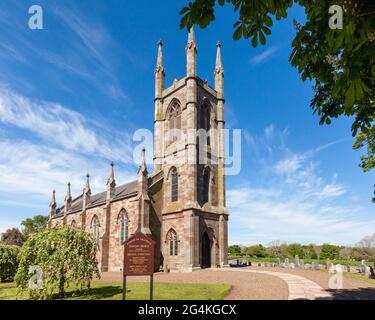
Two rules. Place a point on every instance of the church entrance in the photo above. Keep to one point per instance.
(206, 251)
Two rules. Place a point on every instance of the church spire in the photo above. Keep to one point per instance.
(143, 167)
(68, 198)
(159, 72)
(219, 72)
(191, 54)
(86, 193)
(111, 182)
(52, 205)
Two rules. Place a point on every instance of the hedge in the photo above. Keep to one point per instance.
(8, 262)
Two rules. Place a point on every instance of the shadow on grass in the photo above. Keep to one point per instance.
(353, 294)
(104, 292)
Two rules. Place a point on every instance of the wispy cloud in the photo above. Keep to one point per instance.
(293, 201)
(62, 127)
(53, 145)
(264, 56)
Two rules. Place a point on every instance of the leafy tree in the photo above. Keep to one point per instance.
(234, 250)
(341, 62)
(35, 224)
(277, 249)
(329, 251)
(310, 252)
(256, 251)
(12, 237)
(8, 262)
(296, 249)
(65, 255)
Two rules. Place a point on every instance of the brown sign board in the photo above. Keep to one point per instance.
(139, 255)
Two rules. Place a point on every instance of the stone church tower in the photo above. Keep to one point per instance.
(182, 204)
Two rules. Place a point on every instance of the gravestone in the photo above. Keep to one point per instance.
(315, 265)
(286, 262)
(301, 263)
(363, 266)
(296, 260)
(278, 261)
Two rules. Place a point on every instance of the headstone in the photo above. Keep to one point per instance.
(301, 263)
(296, 260)
(315, 265)
(363, 266)
(286, 262)
(278, 261)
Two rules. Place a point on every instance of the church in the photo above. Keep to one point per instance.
(181, 205)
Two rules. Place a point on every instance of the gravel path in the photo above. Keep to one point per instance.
(353, 289)
(262, 283)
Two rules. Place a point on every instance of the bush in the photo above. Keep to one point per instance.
(256, 251)
(8, 262)
(296, 249)
(234, 250)
(329, 251)
(55, 258)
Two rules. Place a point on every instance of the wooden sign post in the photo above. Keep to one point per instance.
(139, 253)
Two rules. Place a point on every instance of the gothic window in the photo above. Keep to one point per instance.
(174, 121)
(73, 224)
(124, 226)
(95, 229)
(205, 120)
(206, 185)
(174, 185)
(173, 243)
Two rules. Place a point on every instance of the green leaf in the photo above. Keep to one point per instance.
(262, 38)
(254, 40)
(350, 96)
(238, 33)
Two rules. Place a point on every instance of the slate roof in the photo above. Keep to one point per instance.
(123, 191)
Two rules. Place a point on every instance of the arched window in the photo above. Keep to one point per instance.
(206, 185)
(173, 243)
(174, 185)
(205, 120)
(95, 228)
(124, 226)
(73, 224)
(174, 121)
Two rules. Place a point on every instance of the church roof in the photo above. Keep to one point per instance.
(123, 191)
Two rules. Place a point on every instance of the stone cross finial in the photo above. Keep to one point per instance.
(87, 185)
(53, 200)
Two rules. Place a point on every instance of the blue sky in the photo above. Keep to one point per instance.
(72, 95)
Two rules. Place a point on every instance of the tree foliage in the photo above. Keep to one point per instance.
(234, 250)
(256, 251)
(65, 255)
(12, 237)
(329, 251)
(341, 62)
(8, 262)
(35, 224)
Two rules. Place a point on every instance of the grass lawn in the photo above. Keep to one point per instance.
(135, 291)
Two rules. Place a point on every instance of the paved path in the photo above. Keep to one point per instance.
(299, 287)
